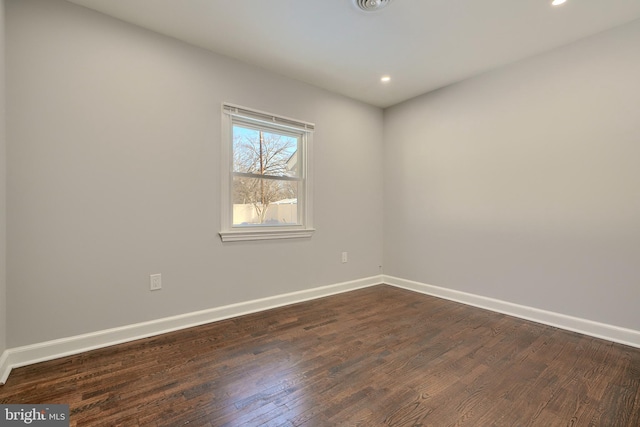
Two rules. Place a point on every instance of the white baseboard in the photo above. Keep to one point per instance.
(617, 334)
(5, 369)
(40, 352)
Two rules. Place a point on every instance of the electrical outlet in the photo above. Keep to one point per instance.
(344, 257)
(155, 282)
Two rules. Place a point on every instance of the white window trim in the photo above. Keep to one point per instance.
(228, 232)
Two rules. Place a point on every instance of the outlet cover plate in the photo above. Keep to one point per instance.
(155, 282)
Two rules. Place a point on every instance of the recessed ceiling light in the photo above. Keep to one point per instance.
(557, 2)
(385, 79)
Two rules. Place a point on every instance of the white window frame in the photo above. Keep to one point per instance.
(231, 114)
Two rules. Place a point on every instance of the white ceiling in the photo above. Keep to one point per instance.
(422, 44)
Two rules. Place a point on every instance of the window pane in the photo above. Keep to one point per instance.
(263, 152)
(259, 201)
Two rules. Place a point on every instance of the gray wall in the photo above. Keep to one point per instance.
(523, 184)
(113, 160)
(3, 186)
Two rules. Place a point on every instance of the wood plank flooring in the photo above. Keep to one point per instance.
(379, 356)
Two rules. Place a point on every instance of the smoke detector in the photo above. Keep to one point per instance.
(371, 5)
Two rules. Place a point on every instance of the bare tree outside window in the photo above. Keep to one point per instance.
(265, 170)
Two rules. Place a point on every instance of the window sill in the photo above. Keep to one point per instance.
(240, 236)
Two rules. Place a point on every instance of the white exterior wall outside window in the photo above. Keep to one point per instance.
(266, 176)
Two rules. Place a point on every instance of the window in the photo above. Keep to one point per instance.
(266, 176)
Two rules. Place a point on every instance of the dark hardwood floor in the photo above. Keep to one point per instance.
(379, 356)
